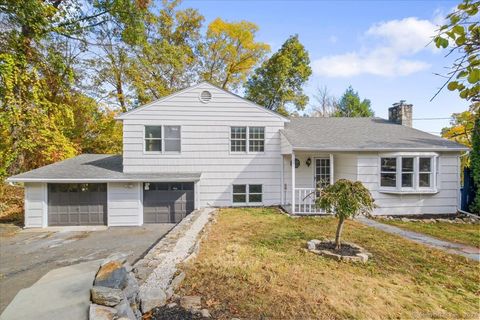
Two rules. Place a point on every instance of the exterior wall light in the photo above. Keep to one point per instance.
(308, 162)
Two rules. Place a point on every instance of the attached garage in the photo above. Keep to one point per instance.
(77, 204)
(167, 202)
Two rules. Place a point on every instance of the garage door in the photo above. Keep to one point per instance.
(167, 202)
(75, 204)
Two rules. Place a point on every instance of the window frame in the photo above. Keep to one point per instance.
(247, 141)
(162, 139)
(247, 194)
(415, 188)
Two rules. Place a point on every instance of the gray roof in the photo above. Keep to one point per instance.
(96, 168)
(361, 134)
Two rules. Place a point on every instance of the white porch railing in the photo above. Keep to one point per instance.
(305, 202)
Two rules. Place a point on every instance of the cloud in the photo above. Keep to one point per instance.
(388, 51)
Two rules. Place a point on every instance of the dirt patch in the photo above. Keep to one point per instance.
(79, 236)
(345, 249)
(171, 313)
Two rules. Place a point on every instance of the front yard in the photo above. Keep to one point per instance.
(468, 234)
(252, 265)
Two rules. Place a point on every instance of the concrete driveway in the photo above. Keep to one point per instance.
(26, 256)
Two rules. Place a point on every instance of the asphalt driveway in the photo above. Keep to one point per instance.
(26, 256)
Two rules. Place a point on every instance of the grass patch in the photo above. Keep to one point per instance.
(252, 265)
(468, 234)
(11, 205)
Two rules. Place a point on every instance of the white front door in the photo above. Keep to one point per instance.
(322, 172)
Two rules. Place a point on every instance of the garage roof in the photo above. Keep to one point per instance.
(97, 168)
(361, 134)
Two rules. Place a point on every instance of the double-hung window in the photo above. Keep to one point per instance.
(247, 139)
(162, 139)
(407, 173)
(238, 139)
(247, 194)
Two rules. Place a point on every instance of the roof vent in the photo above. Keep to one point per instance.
(205, 96)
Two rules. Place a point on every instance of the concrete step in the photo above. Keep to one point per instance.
(62, 293)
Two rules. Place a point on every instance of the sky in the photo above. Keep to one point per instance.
(380, 48)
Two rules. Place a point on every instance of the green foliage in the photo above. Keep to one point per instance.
(230, 52)
(475, 162)
(462, 33)
(279, 81)
(461, 130)
(345, 199)
(350, 105)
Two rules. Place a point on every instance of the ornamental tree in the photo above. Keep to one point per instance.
(345, 199)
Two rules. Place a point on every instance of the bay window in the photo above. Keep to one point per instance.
(408, 173)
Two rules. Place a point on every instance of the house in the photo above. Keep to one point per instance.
(204, 146)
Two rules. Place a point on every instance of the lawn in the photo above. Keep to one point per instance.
(253, 265)
(461, 233)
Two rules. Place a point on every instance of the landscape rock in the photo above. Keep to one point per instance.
(312, 244)
(177, 281)
(98, 312)
(112, 275)
(191, 303)
(151, 298)
(131, 289)
(205, 313)
(106, 296)
(115, 257)
(124, 310)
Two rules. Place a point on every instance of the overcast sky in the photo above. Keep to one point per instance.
(379, 47)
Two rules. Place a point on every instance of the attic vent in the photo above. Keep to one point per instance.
(205, 96)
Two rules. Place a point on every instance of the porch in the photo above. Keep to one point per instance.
(311, 169)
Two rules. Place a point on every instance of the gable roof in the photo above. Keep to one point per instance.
(166, 98)
(96, 168)
(361, 134)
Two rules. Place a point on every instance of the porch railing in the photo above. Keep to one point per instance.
(305, 202)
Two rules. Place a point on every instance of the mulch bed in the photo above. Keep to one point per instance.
(172, 313)
(345, 249)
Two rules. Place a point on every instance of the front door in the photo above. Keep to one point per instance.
(322, 172)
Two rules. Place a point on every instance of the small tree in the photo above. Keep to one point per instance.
(345, 199)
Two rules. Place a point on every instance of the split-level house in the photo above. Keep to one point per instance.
(206, 147)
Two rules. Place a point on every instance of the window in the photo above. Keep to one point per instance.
(425, 172)
(247, 194)
(407, 173)
(171, 141)
(238, 136)
(388, 175)
(239, 193)
(322, 172)
(254, 193)
(153, 138)
(256, 139)
(172, 138)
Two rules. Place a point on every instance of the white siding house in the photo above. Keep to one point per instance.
(204, 146)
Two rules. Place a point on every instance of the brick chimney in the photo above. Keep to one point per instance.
(401, 113)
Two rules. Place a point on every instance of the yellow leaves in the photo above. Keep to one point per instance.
(231, 52)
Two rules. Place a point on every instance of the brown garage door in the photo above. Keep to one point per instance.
(77, 204)
(167, 202)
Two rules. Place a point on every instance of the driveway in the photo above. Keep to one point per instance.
(26, 256)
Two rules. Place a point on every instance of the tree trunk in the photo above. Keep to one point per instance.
(338, 233)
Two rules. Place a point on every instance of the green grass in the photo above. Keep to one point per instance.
(253, 265)
(468, 234)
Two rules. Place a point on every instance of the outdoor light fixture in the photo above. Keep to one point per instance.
(309, 162)
(297, 163)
